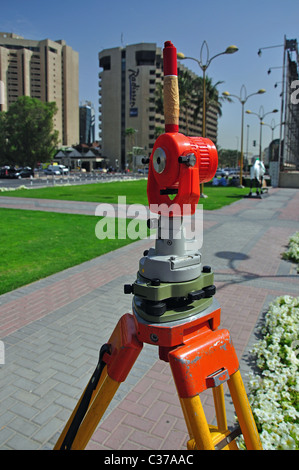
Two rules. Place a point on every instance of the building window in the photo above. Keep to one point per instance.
(145, 57)
(105, 62)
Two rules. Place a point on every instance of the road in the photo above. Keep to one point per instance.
(77, 178)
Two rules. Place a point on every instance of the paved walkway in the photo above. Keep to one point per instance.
(52, 330)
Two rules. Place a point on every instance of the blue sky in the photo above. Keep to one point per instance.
(92, 25)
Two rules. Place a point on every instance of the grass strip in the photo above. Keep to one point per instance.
(35, 244)
(134, 191)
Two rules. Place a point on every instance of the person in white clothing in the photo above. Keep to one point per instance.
(257, 172)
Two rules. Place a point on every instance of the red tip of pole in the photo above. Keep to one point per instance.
(169, 59)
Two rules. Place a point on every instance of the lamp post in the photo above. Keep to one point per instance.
(261, 115)
(243, 98)
(272, 126)
(204, 65)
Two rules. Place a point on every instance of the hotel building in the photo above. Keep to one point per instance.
(128, 83)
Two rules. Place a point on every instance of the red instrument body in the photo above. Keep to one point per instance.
(176, 177)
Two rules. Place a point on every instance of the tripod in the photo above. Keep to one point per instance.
(173, 304)
(201, 355)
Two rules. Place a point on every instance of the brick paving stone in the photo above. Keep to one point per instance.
(53, 329)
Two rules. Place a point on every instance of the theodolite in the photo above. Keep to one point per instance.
(173, 304)
(171, 282)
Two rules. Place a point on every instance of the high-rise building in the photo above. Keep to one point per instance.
(47, 70)
(129, 112)
(87, 123)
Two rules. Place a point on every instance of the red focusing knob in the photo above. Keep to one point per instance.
(178, 164)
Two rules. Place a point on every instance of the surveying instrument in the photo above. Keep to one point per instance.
(173, 302)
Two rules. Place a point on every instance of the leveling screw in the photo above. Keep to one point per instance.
(154, 337)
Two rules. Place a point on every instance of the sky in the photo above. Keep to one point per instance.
(92, 25)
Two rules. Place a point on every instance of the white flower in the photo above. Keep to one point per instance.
(274, 392)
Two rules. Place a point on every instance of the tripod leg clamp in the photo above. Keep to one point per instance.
(207, 360)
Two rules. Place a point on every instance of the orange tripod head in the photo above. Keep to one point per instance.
(178, 164)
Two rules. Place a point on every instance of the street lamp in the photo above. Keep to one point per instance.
(272, 126)
(261, 115)
(259, 53)
(272, 68)
(204, 65)
(243, 98)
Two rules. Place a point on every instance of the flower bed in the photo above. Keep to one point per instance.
(293, 250)
(274, 391)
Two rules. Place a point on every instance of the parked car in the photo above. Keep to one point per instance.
(4, 172)
(56, 170)
(22, 173)
(63, 169)
(143, 171)
(234, 172)
(52, 170)
(12, 172)
(226, 171)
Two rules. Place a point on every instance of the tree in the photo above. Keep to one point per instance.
(3, 139)
(212, 96)
(186, 93)
(30, 131)
(191, 96)
(228, 158)
(159, 98)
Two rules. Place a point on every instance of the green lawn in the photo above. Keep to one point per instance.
(135, 192)
(35, 244)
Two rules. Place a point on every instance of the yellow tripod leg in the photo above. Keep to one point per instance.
(115, 362)
(218, 395)
(105, 385)
(95, 413)
(244, 413)
(197, 423)
(67, 426)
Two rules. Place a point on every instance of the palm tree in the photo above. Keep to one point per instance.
(191, 97)
(159, 104)
(159, 101)
(129, 134)
(213, 100)
(186, 93)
